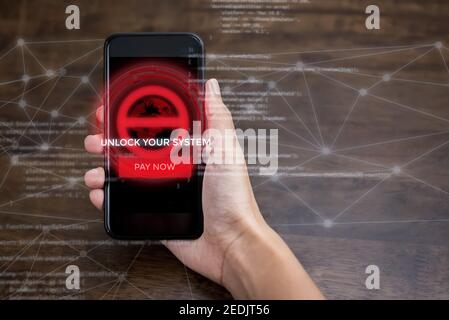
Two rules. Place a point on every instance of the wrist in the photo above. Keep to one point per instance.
(259, 265)
(247, 252)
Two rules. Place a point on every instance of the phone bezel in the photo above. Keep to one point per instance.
(139, 45)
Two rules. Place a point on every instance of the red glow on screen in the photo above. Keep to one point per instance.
(150, 100)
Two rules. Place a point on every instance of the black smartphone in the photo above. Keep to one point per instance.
(154, 86)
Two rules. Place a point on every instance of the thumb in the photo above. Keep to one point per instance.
(219, 121)
(217, 114)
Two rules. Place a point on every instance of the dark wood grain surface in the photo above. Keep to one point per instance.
(395, 220)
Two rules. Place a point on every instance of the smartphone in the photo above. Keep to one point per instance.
(154, 86)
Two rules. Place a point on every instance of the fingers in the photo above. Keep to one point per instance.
(226, 148)
(94, 178)
(218, 115)
(97, 197)
(92, 143)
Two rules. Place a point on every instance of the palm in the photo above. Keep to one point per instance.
(228, 201)
(223, 215)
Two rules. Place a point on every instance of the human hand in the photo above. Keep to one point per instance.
(233, 224)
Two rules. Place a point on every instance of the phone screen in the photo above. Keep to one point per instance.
(153, 99)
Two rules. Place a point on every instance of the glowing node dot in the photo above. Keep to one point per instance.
(15, 160)
(84, 79)
(22, 103)
(20, 42)
(83, 253)
(26, 78)
(274, 178)
(54, 113)
(438, 45)
(363, 92)
(396, 170)
(251, 79)
(122, 277)
(271, 84)
(71, 180)
(45, 147)
(50, 73)
(327, 223)
(300, 66)
(325, 150)
(386, 77)
(81, 120)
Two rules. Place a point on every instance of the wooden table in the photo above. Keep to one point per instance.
(363, 176)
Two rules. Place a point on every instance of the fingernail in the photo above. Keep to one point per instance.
(214, 87)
